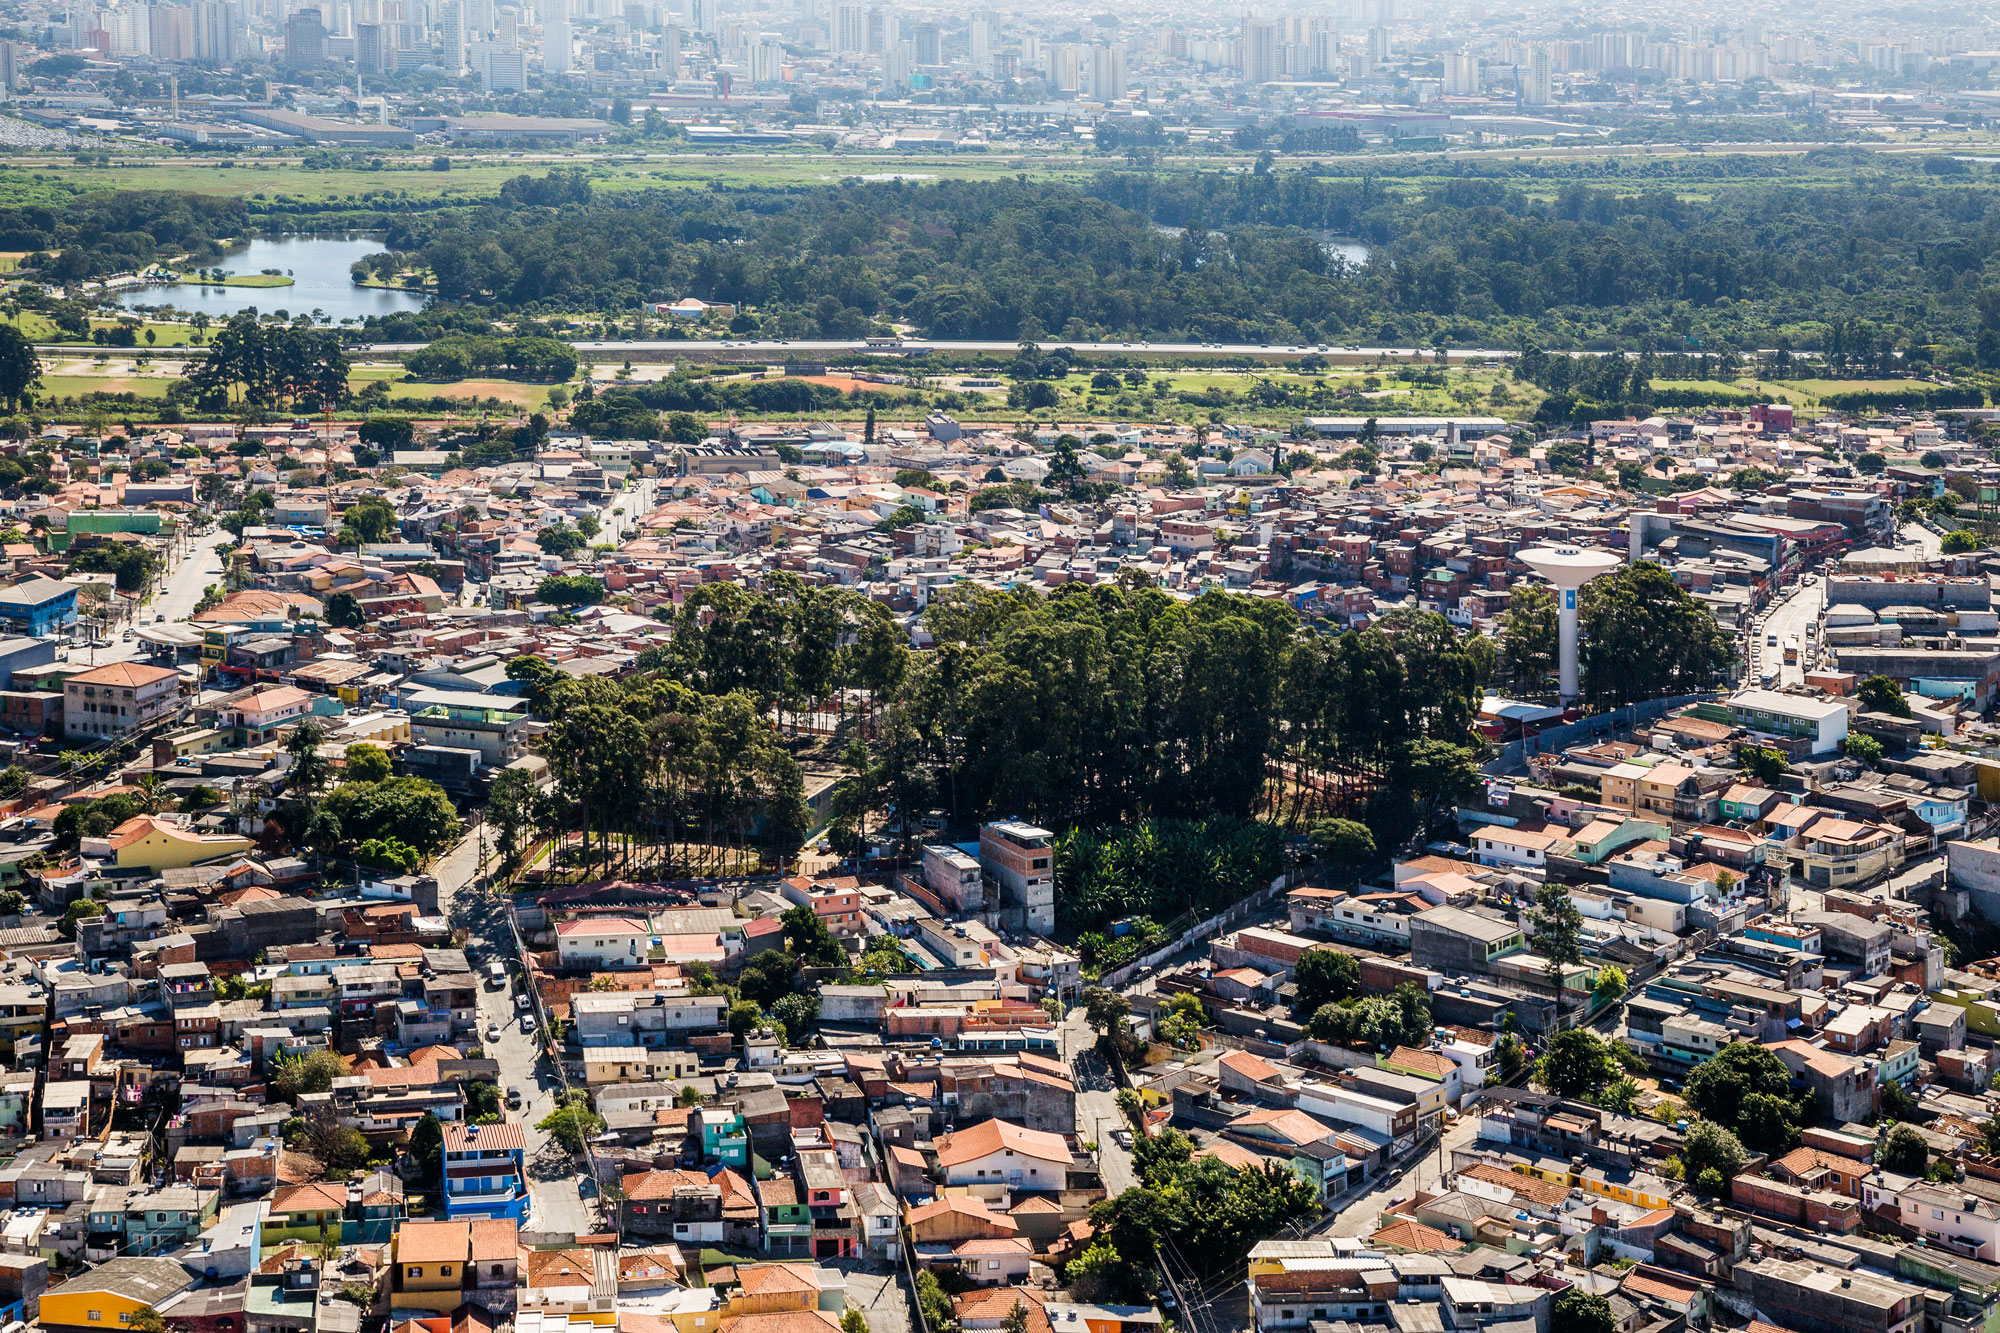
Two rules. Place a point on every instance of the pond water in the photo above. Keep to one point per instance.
(1343, 247)
(318, 266)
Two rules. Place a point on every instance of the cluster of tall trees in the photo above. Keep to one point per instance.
(1642, 637)
(270, 365)
(1170, 743)
(634, 412)
(650, 760)
(110, 231)
(1195, 1212)
(1466, 259)
(461, 355)
(1094, 707)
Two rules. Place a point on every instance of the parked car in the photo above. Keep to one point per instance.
(1122, 1137)
(514, 1097)
(492, 1032)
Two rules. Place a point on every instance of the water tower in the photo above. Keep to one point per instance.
(1569, 568)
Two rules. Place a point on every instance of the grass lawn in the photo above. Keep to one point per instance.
(1822, 388)
(36, 327)
(164, 335)
(72, 386)
(1802, 393)
(255, 280)
(532, 396)
(482, 178)
(1707, 386)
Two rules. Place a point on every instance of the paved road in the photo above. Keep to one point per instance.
(1929, 545)
(1789, 619)
(174, 602)
(620, 515)
(552, 1175)
(1097, 1113)
(1361, 1217)
(781, 348)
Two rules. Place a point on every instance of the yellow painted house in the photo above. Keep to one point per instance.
(429, 1268)
(1641, 1188)
(109, 1295)
(149, 842)
(774, 1289)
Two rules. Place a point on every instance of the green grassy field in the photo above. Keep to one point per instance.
(71, 386)
(34, 326)
(1801, 393)
(256, 280)
(273, 181)
(533, 397)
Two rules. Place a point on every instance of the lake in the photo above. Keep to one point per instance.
(318, 266)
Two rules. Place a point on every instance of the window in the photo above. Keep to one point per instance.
(444, 1270)
(97, 1316)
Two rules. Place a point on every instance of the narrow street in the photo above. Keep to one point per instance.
(619, 518)
(1360, 1217)
(1097, 1113)
(553, 1176)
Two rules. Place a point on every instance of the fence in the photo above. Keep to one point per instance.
(1235, 915)
(1514, 754)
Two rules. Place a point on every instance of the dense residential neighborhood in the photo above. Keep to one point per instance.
(380, 947)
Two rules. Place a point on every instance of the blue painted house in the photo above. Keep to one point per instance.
(485, 1171)
(38, 606)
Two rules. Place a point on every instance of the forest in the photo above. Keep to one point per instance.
(1825, 254)
(1244, 258)
(111, 231)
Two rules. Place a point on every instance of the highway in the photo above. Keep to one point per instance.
(797, 347)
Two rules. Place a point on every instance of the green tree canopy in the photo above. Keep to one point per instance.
(1577, 1064)
(1879, 694)
(1643, 637)
(1747, 1090)
(1323, 976)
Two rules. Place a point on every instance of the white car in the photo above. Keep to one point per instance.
(492, 1032)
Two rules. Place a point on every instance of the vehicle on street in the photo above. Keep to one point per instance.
(492, 1032)
(527, 1022)
(1770, 641)
(496, 974)
(514, 1097)
(1122, 1137)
